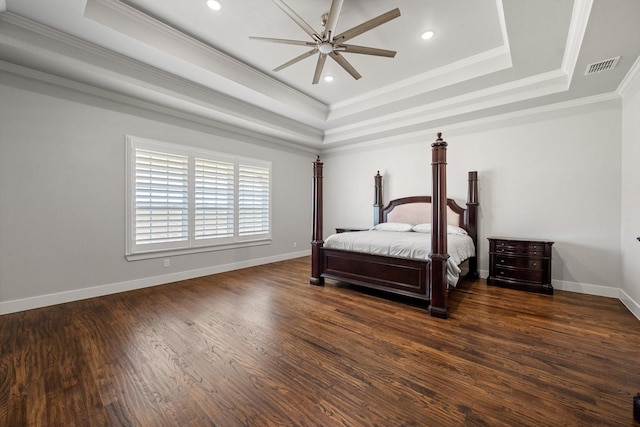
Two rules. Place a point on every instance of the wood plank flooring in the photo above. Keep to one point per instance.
(261, 347)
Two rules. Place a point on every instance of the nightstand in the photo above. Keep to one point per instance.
(520, 264)
(350, 229)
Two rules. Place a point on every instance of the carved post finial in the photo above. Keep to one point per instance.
(439, 142)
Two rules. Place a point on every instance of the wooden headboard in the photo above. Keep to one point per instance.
(417, 210)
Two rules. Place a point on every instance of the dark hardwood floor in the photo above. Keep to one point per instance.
(262, 347)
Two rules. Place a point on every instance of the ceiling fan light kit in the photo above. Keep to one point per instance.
(325, 43)
(214, 5)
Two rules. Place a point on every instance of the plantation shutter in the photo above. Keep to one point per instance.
(253, 200)
(214, 199)
(161, 197)
(186, 200)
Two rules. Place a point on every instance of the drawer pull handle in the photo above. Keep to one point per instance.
(535, 264)
(502, 272)
(502, 261)
(535, 253)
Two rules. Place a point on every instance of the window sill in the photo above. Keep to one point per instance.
(175, 252)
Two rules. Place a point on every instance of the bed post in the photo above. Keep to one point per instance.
(471, 220)
(377, 199)
(439, 255)
(316, 238)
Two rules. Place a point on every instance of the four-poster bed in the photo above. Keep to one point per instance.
(399, 269)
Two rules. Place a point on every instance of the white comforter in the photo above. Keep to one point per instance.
(404, 244)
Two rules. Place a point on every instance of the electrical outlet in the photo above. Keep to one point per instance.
(295, 244)
(167, 262)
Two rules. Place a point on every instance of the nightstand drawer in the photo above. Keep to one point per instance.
(519, 274)
(519, 248)
(519, 262)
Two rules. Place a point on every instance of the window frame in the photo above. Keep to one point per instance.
(191, 244)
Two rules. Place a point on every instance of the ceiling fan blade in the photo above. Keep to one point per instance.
(296, 59)
(332, 20)
(298, 20)
(319, 66)
(366, 26)
(284, 41)
(345, 64)
(350, 48)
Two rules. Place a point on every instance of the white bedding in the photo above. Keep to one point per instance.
(405, 244)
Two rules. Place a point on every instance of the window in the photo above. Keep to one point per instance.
(181, 198)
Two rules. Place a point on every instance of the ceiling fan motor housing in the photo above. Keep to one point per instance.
(325, 47)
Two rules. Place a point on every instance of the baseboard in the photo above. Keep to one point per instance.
(582, 288)
(585, 288)
(30, 303)
(628, 302)
(597, 290)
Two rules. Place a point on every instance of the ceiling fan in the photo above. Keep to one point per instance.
(325, 43)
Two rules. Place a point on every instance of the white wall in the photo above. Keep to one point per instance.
(629, 245)
(62, 196)
(553, 175)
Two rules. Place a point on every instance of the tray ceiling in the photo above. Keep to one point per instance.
(488, 57)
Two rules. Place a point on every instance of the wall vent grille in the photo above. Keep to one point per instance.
(598, 67)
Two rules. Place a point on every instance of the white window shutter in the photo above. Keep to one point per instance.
(214, 199)
(161, 198)
(253, 200)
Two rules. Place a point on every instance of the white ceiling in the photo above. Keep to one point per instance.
(488, 57)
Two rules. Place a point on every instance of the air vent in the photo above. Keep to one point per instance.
(598, 67)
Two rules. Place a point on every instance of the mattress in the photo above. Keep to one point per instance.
(405, 244)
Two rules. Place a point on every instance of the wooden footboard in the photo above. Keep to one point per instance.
(424, 280)
(401, 276)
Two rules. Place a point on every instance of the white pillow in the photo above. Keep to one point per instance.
(422, 228)
(392, 226)
(452, 229)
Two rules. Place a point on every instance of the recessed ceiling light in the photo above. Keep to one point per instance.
(328, 78)
(428, 35)
(214, 4)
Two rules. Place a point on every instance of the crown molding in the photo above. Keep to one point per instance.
(44, 49)
(628, 79)
(519, 90)
(469, 68)
(235, 77)
(478, 65)
(472, 125)
(75, 90)
(577, 29)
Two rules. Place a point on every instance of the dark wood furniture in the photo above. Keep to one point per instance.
(424, 280)
(350, 229)
(520, 264)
